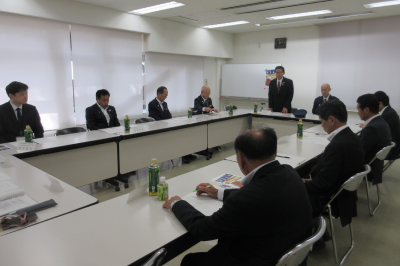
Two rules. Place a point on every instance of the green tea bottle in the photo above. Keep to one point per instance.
(154, 176)
(300, 129)
(231, 110)
(28, 134)
(190, 113)
(162, 189)
(255, 107)
(127, 124)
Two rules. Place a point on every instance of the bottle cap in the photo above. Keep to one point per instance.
(154, 160)
(255, 103)
(231, 103)
(127, 116)
(28, 127)
(190, 108)
(162, 179)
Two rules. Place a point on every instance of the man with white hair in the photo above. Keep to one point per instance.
(203, 103)
(326, 96)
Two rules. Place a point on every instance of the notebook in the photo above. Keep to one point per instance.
(13, 198)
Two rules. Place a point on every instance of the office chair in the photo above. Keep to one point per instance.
(351, 184)
(380, 155)
(298, 253)
(157, 258)
(144, 120)
(70, 130)
(195, 112)
(226, 107)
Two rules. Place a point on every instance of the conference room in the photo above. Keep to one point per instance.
(65, 51)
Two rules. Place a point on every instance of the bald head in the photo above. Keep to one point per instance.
(257, 144)
(205, 92)
(325, 90)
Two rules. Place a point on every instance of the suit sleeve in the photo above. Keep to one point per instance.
(91, 119)
(211, 104)
(153, 112)
(116, 123)
(290, 95)
(368, 139)
(2, 127)
(169, 113)
(314, 109)
(270, 97)
(37, 127)
(197, 105)
(328, 173)
(229, 218)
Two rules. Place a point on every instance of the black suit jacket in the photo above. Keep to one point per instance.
(392, 119)
(199, 103)
(95, 118)
(320, 100)
(10, 128)
(157, 113)
(276, 100)
(342, 158)
(374, 137)
(258, 223)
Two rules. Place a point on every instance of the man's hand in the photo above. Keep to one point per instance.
(269, 109)
(207, 109)
(207, 188)
(237, 183)
(306, 180)
(216, 110)
(362, 125)
(284, 110)
(168, 202)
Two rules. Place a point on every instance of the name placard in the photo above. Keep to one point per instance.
(26, 146)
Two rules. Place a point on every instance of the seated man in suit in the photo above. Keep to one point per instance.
(392, 119)
(101, 115)
(326, 96)
(158, 108)
(342, 158)
(375, 134)
(280, 92)
(16, 114)
(257, 223)
(203, 103)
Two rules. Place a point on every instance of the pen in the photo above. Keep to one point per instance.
(283, 157)
(198, 190)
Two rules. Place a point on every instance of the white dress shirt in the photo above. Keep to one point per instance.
(244, 181)
(15, 109)
(105, 113)
(279, 81)
(335, 132)
(204, 100)
(160, 103)
(369, 120)
(327, 98)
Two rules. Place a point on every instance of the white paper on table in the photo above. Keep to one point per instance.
(26, 146)
(191, 120)
(114, 130)
(293, 161)
(45, 140)
(137, 129)
(54, 183)
(277, 114)
(316, 140)
(227, 179)
(203, 204)
(6, 186)
(4, 176)
(16, 203)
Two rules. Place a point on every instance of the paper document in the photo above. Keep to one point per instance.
(4, 176)
(6, 186)
(4, 148)
(114, 130)
(227, 179)
(15, 204)
(293, 161)
(203, 204)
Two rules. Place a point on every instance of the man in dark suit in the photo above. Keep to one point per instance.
(392, 119)
(342, 158)
(257, 223)
(326, 96)
(158, 108)
(280, 92)
(16, 114)
(203, 103)
(375, 134)
(101, 115)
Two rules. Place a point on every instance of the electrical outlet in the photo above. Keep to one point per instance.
(206, 82)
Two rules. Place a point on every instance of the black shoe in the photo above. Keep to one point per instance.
(186, 159)
(192, 157)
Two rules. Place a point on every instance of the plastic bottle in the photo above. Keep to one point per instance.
(300, 129)
(28, 134)
(231, 110)
(190, 113)
(162, 189)
(255, 107)
(127, 124)
(154, 177)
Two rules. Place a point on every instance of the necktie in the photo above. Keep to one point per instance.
(19, 116)
(279, 85)
(324, 100)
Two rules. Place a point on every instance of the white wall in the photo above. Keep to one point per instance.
(164, 36)
(300, 60)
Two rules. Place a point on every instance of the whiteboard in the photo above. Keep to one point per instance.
(246, 80)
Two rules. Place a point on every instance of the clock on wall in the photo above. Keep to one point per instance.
(280, 43)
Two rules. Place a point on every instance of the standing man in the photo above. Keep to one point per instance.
(375, 134)
(203, 103)
(280, 93)
(16, 114)
(101, 115)
(158, 108)
(257, 223)
(326, 96)
(392, 119)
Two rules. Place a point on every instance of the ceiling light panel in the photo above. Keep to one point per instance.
(156, 8)
(226, 24)
(298, 15)
(381, 4)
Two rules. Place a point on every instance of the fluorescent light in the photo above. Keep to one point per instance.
(156, 8)
(379, 4)
(306, 14)
(226, 24)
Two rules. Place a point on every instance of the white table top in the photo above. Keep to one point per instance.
(110, 233)
(37, 185)
(282, 158)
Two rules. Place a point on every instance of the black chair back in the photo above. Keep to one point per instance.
(226, 107)
(70, 130)
(144, 120)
